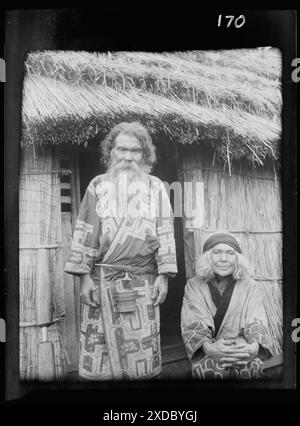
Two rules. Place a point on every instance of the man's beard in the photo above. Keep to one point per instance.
(124, 177)
(132, 171)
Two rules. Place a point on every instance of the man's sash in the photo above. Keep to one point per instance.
(132, 246)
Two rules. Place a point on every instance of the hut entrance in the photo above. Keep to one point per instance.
(166, 169)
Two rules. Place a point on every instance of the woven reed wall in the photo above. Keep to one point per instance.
(248, 204)
(39, 227)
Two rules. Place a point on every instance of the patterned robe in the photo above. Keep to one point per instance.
(116, 345)
(244, 320)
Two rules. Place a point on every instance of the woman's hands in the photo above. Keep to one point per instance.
(88, 291)
(231, 354)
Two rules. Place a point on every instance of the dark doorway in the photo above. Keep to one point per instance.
(166, 170)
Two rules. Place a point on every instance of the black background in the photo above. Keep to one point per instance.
(150, 28)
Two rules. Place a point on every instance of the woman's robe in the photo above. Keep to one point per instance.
(245, 320)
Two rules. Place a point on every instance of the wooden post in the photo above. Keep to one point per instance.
(46, 365)
(75, 204)
(70, 323)
(72, 299)
(75, 186)
(193, 185)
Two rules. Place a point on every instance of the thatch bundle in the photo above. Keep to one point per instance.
(41, 281)
(190, 96)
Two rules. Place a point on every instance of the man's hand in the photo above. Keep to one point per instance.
(88, 291)
(230, 354)
(160, 290)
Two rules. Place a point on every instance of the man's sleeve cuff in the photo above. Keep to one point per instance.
(79, 270)
(167, 269)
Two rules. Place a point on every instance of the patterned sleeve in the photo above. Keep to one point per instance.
(85, 243)
(166, 255)
(255, 322)
(196, 320)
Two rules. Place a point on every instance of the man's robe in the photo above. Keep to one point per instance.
(244, 321)
(139, 236)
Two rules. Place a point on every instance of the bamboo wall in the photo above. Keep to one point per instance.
(40, 237)
(248, 204)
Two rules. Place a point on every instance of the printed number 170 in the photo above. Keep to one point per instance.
(238, 22)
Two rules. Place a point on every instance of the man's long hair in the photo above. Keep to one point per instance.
(204, 270)
(131, 129)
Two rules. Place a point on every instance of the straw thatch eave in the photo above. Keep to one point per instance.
(208, 82)
(71, 96)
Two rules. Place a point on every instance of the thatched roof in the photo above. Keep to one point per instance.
(231, 99)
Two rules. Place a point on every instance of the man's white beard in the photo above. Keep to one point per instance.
(132, 171)
(125, 180)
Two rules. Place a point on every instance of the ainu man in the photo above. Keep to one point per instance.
(123, 250)
(223, 320)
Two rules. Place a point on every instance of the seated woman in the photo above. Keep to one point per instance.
(223, 320)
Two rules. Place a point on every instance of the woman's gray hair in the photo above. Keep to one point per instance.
(132, 129)
(204, 267)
